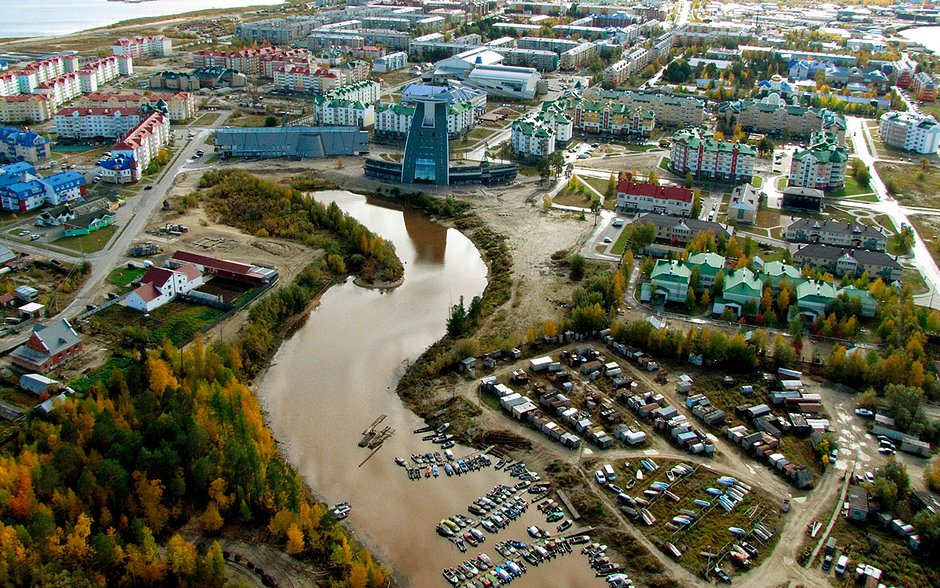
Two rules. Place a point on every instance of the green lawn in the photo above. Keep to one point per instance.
(598, 184)
(480, 133)
(911, 184)
(88, 243)
(247, 120)
(570, 197)
(122, 276)
(782, 183)
(851, 188)
(207, 119)
(621, 243)
(757, 181)
(912, 277)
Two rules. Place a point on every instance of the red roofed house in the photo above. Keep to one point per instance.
(232, 270)
(161, 285)
(49, 345)
(645, 197)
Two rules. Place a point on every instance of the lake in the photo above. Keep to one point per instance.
(34, 18)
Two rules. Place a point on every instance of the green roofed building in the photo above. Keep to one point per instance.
(812, 296)
(696, 151)
(708, 265)
(821, 165)
(740, 287)
(670, 278)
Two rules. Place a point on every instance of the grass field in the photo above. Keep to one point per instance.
(851, 188)
(89, 243)
(247, 120)
(207, 119)
(177, 321)
(757, 181)
(912, 184)
(122, 276)
(571, 197)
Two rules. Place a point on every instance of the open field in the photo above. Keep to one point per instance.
(247, 120)
(94, 241)
(928, 227)
(177, 321)
(911, 184)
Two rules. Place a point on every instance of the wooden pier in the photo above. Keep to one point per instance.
(370, 433)
(564, 500)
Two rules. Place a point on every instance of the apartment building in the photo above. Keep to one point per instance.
(131, 155)
(838, 234)
(548, 44)
(390, 62)
(773, 116)
(924, 87)
(261, 62)
(821, 165)
(843, 261)
(695, 151)
(617, 73)
(911, 132)
(611, 118)
(352, 105)
(92, 123)
(21, 189)
(670, 110)
(635, 197)
(317, 80)
(179, 105)
(23, 145)
(681, 230)
(143, 47)
(577, 57)
(541, 60)
(540, 134)
(393, 121)
(277, 31)
(26, 108)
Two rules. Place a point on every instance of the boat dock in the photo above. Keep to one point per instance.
(564, 500)
(370, 433)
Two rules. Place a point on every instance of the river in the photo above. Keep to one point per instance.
(339, 371)
(929, 37)
(36, 18)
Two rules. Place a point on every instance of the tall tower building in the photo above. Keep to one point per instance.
(427, 150)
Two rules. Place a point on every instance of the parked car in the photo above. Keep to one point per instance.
(864, 412)
(608, 240)
(33, 237)
(618, 222)
(870, 477)
(148, 187)
(600, 477)
(827, 563)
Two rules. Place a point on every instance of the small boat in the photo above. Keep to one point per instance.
(434, 471)
(564, 526)
(703, 503)
(714, 491)
(630, 485)
(416, 458)
(427, 472)
(448, 453)
(448, 469)
(448, 444)
(737, 530)
(671, 476)
(400, 461)
(451, 577)
(423, 430)
(442, 439)
(442, 428)
(341, 510)
(429, 437)
(639, 475)
(534, 532)
(443, 530)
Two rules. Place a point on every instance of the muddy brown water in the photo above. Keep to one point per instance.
(338, 372)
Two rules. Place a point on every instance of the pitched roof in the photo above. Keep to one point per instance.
(654, 191)
(54, 337)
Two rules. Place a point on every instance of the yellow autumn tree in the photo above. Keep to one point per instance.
(181, 556)
(358, 576)
(161, 377)
(550, 329)
(295, 539)
(212, 521)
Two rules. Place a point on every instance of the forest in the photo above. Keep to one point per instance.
(97, 493)
(267, 209)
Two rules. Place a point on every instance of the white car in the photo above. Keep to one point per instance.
(870, 477)
(600, 477)
(864, 412)
(608, 240)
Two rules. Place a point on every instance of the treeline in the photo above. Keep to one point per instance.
(96, 494)
(267, 209)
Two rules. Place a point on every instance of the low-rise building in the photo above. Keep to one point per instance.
(911, 132)
(540, 134)
(709, 265)
(88, 223)
(837, 233)
(297, 141)
(849, 262)
(646, 197)
(813, 296)
(745, 201)
(160, 285)
(802, 199)
(821, 165)
(742, 288)
(681, 230)
(611, 118)
(695, 151)
(670, 279)
(49, 346)
(23, 145)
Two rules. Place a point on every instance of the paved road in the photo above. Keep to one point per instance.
(131, 220)
(857, 130)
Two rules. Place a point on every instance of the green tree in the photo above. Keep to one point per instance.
(577, 265)
(457, 320)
